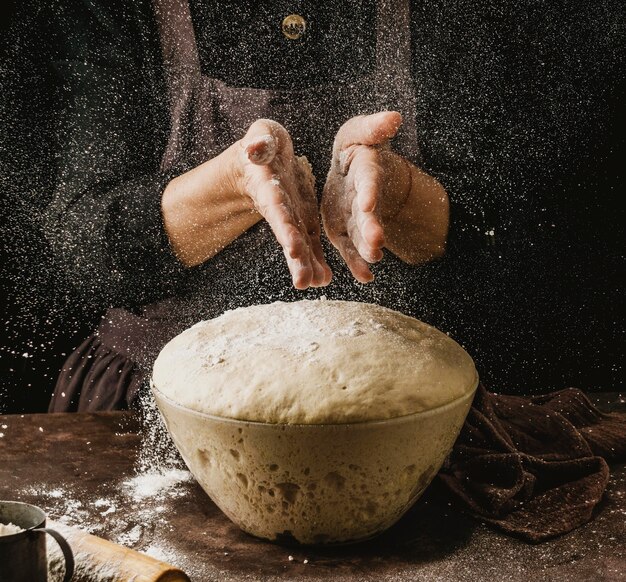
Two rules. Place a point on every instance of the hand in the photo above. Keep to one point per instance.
(257, 177)
(282, 187)
(373, 198)
(350, 209)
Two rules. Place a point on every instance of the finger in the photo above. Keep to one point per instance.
(321, 271)
(270, 202)
(370, 253)
(366, 230)
(369, 227)
(264, 139)
(336, 230)
(358, 266)
(296, 247)
(368, 129)
(316, 254)
(342, 218)
(261, 150)
(288, 233)
(301, 271)
(371, 232)
(366, 174)
(322, 275)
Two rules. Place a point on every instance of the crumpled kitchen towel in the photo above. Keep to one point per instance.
(534, 467)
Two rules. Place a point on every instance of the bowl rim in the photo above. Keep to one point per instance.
(382, 421)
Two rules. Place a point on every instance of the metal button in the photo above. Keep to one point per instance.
(293, 26)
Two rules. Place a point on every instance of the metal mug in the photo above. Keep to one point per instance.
(23, 555)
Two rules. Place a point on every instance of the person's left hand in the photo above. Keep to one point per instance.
(374, 198)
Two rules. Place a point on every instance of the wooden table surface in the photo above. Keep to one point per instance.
(89, 470)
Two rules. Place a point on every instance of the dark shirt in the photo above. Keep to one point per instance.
(518, 117)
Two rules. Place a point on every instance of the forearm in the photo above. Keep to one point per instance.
(417, 233)
(205, 200)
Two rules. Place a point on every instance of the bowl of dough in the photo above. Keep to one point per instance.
(316, 422)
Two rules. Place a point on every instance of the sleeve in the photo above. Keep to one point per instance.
(104, 221)
(101, 103)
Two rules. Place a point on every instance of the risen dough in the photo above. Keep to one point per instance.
(313, 362)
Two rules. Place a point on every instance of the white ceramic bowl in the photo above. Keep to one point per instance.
(314, 483)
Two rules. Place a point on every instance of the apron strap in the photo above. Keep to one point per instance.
(182, 73)
(394, 76)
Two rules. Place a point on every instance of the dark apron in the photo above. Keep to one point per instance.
(109, 368)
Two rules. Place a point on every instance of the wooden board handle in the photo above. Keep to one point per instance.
(94, 554)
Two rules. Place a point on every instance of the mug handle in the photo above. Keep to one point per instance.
(65, 548)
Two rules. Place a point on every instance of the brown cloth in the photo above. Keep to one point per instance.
(534, 467)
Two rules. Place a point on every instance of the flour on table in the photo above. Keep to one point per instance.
(156, 485)
(106, 505)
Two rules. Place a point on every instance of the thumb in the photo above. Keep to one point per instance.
(263, 140)
(368, 130)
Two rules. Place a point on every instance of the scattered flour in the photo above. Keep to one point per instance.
(148, 493)
(106, 504)
(156, 485)
(160, 477)
(159, 553)
(130, 538)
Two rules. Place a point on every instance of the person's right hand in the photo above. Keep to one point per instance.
(259, 176)
(282, 187)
